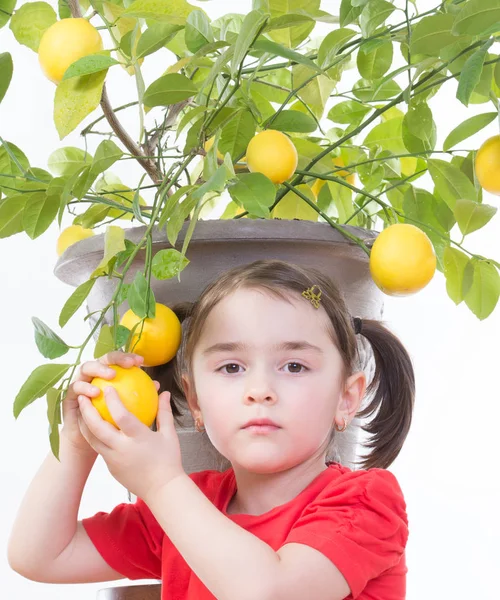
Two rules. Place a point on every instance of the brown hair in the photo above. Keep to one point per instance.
(392, 386)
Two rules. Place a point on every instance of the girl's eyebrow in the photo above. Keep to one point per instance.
(239, 346)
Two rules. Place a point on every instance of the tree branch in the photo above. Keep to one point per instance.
(148, 165)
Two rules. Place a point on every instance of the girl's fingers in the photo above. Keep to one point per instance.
(103, 431)
(157, 385)
(86, 389)
(91, 439)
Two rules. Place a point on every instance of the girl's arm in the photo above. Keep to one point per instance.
(47, 543)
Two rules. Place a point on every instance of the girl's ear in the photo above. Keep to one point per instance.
(353, 394)
(191, 397)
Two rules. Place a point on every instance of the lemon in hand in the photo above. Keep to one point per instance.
(402, 260)
(160, 337)
(136, 390)
(63, 43)
(487, 165)
(273, 154)
(71, 235)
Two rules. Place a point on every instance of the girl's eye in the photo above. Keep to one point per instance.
(301, 366)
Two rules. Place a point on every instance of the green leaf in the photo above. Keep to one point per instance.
(54, 399)
(467, 128)
(237, 134)
(348, 112)
(171, 203)
(348, 12)
(11, 215)
(39, 212)
(292, 206)
(471, 73)
(30, 22)
(476, 17)
(174, 12)
(198, 31)
(155, 37)
(75, 99)
(252, 24)
(168, 263)
(169, 89)
(74, 302)
(455, 263)
(64, 162)
(315, 93)
(450, 182)
(6, 69)
(373, 65)
(7, 8)
(137, 297)
(374, 14)
(296, 34)
(254, 192)
(13, 161)
(471, 216)
(92, 63)
(280, 50)
(294, 121)
(37, 385)
(388, 135)
(104, 343)
(331, 44)
(106, 154)
(432, 34)
(484, 292)
(286, 21)
(419, 129)
(49, 343)
(113, 244)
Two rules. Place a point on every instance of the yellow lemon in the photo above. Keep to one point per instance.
(402, 260)
(71, 235)
(137, 392)
(160, 337)
(63, 43)
(338, 162)
(487, 165)
(208, 144)
(273, 154)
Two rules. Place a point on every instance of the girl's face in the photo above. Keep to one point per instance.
(299, 388)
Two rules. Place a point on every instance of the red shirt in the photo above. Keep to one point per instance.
(355, 518)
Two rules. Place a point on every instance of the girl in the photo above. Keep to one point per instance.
(268, 342)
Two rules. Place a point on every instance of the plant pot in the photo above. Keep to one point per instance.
(218, 245)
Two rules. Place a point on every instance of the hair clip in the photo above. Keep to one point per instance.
(310, 295)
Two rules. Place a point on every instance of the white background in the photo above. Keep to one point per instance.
(448, 468)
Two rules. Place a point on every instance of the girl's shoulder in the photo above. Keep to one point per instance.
(369, 487)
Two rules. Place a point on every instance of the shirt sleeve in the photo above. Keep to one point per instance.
(360, 524)
(129, 539)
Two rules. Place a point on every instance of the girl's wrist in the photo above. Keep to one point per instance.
(67, 447)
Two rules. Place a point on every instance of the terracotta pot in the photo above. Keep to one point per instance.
(218, 245)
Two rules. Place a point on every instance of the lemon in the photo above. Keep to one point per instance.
(402, 260)
(63, 43)
(71, 235)
(338, 162)
(160, 337)
(208, 144)
(273, 154)
(487, 165)
(136, 390)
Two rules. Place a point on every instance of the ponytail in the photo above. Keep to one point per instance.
(394, 387)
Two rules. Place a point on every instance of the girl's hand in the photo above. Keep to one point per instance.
(142, 460)
(81, 386)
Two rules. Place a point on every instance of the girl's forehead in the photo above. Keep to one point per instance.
(246, 311)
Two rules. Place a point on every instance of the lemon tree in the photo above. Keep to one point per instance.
(284, 111)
